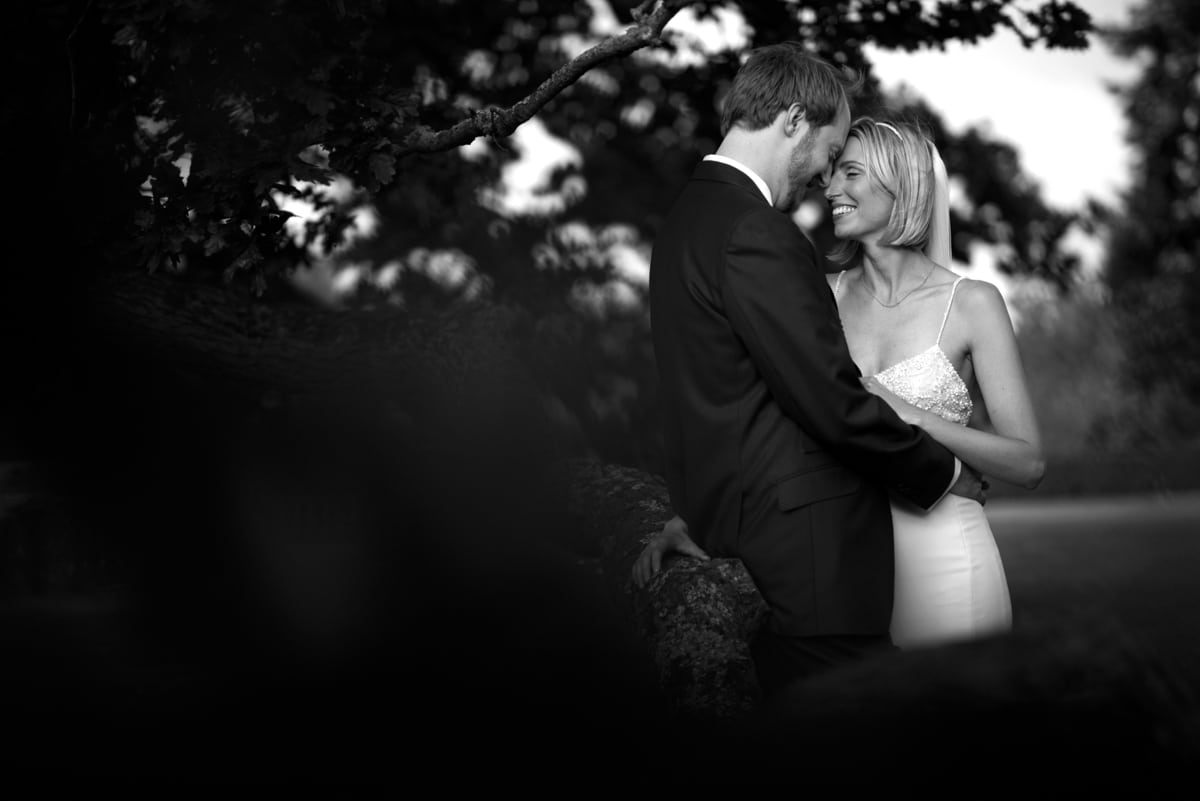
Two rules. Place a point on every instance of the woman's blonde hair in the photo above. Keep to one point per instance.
(897, 161)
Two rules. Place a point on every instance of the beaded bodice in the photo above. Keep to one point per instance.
(928, 380)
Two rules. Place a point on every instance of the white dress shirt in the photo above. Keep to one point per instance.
(751, 174)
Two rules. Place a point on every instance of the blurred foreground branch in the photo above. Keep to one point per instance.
(295, 576)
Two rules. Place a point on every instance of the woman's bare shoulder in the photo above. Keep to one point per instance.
(983, 304)
(978, 295)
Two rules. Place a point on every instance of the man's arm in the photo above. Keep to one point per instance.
(780, 305)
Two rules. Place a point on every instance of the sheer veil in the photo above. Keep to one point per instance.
(938, 246)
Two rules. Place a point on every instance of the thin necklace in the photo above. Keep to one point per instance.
(904, 297)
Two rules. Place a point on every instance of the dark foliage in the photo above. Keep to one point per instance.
(1153, 266)
(173, 134)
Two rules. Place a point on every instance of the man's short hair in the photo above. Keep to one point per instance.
(776, 76)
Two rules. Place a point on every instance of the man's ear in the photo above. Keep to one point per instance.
(794, 120)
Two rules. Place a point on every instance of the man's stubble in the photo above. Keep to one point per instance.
(800, 173)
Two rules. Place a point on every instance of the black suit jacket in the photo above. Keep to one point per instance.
(775, 453)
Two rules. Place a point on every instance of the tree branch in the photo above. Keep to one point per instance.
(495, 122)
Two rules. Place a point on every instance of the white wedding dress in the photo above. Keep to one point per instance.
(950, 581)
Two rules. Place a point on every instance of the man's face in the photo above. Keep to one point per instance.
(813, 159)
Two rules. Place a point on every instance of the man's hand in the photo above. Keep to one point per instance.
(906, 411)
(970, 484)
(673, 537)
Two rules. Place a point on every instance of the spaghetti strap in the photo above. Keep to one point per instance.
(950, 302)
(838, 283)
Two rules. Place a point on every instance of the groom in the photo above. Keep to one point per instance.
(775, 453)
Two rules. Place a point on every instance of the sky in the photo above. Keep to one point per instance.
(1052, 105)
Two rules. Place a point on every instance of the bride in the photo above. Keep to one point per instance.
(940, 349)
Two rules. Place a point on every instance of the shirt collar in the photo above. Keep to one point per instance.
(751, 174)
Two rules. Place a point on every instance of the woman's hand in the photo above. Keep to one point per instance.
(673, 538)
(910, 414)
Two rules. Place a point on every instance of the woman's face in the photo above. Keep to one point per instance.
(861, 209)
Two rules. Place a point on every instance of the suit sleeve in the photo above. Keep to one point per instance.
(781, 307)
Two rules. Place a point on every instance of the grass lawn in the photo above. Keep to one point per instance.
(1128, 560)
